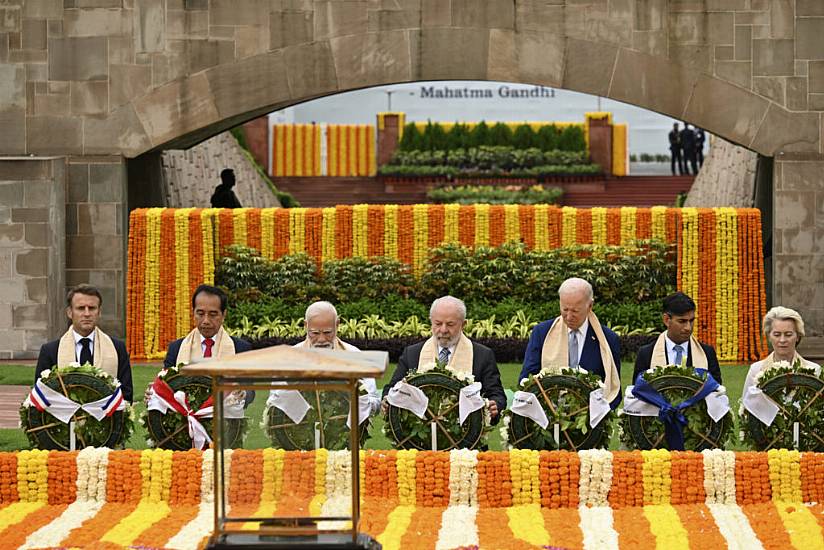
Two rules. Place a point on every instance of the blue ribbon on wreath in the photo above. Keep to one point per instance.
(672, 416)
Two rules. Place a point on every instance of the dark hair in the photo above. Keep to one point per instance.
(678, 304)
(86, 290)
(214, 291)
(227, 173)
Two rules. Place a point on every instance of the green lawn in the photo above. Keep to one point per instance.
(13, 439)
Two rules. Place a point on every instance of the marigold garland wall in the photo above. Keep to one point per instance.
(720, 258)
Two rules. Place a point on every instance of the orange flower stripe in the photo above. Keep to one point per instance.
(408, 232)
(432, 478)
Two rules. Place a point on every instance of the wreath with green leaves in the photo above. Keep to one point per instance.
(564, 396)
(676, 384)
(171, 430)
(799, 394)
(82, 384)
(329, 413)
(442, 387)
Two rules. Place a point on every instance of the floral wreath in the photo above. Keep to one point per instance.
(79, 394)
(564, 395)
(329, 413)
(799, 394)
(170, 430)
(676, 384)
(442, 386)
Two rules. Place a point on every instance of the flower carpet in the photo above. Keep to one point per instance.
(97, 498)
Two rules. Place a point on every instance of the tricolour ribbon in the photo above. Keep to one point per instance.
(62, 408)
(672, 416)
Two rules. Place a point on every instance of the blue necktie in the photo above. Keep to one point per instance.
(443, 356)
(679, 354)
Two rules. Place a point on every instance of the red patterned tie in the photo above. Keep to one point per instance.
(209, 343)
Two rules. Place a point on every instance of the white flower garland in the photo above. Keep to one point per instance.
(596, 526)
(53, 533)
(734, 527)
(719, 476)
(207, 482)
(458, 528)
(504, 431)
(463, 478)
(339, 475)
(92, 473)
(595, 479)
(192, 534)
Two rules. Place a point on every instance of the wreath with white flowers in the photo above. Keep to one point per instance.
(799, 394)
(676, 384)
(564, 395)
(170, 430)
(327, 419)
(82, 384)
(442, 386)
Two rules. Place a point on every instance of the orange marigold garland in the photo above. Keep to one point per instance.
(226, 229)
(555, 220)
(614, 226)
(526, 218)
(62, 482)
(687, 475)
(168, 326)
(437, 220)
(124, 481)
(494, 480)
(281, 232)
(627, 480)
(343, 231)
(752, 478)
(406, 234)
(8, 478)
(135, 325)
(314, 233)
(432, 478)
(497, 221)
(583, 230)
(559, 476)
(253, 232)
(812, 477)
(643, 224)
(375, 223)
(466, 225)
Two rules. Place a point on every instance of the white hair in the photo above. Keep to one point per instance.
(576, 284)
(449, 300)
(317, 308)
(781, 313)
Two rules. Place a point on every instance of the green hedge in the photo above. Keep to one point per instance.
(435, 136)
(473, 194)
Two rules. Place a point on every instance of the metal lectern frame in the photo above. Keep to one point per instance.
(252, 371)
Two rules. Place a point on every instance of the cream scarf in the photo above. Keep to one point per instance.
(556, 352)
(339, 345)
(104, 355)
(190, 347)
(459, 361)
(769, 361)
(659, 353)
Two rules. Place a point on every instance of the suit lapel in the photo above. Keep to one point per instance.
(591, 353)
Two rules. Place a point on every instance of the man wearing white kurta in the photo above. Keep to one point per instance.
(321, 323)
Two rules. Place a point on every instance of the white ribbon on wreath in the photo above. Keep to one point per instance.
(62, 408)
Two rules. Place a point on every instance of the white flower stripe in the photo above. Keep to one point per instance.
(734, 527)
(597, 528)
(52, 534)
(458, 528)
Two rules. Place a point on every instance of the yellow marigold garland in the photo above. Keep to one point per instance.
(321, 455)
(569, 230)
(656, 473)
(628, 224)
(659, 223)
(297, 230)
(667, 527)
(450, 231)
(33, 476)
(689, 252)
(420, 217)
(726, 289)
(390, 231)
(599, 226)
(512, 223)
(482, 225)
(267, 233)
(209, 220)
(541, 227)
(360, 235)
(329, 234)
(526, 483)
(785, 475)
(182, 316)
(240, 232)
(405, 465)
(152, 303)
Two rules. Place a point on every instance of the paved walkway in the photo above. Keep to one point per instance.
(10, 399)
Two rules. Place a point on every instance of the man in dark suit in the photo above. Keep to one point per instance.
(448, 345)
(208, 338)
(85, 343)
(577, 339)
(677, 345)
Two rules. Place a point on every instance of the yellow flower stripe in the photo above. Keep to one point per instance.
(16, 512)
(599, 225)
(208, 221)
(450, 228)
(619, 150)
(156, 474)
(628, 224)
(327, 250)
(152, 302)
(659, 223)
(656, 474)
(360, 233)
(689, 252)
(32, 476)
(267, 233)
(481, 224)
(420, 243)
(569, 231)
(370, 150)
(726, 283)
(182, 318)
(405, 465)
(297, 230)
(271, 487)
(523, 469)
(399, 520)
(527, 523)
(785, 475)
(390, 231)
(541, 227)
(665, 524)
(129, 528)
(240, 233)
(802, 526)
(512, 223)
(321, 456)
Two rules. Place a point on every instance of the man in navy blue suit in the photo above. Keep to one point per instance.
(576, 338)
(208, 338)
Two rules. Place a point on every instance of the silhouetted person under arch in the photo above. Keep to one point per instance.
(223, 196)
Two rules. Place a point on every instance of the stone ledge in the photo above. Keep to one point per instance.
(812, 348)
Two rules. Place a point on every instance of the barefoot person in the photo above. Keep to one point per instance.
(84, 342)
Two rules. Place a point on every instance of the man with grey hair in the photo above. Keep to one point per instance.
(576, 339)
(449, 346)
(321, 324)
